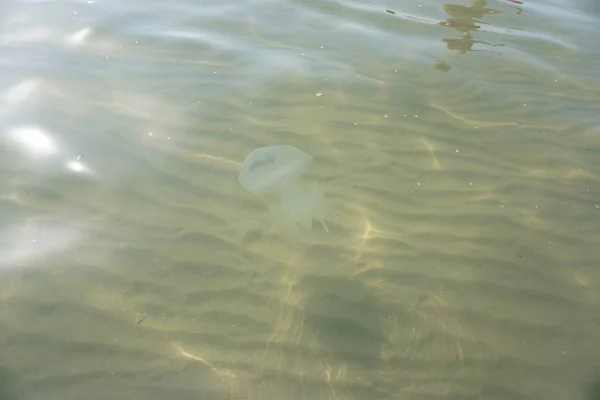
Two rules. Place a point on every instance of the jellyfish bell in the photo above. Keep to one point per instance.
(267, 169)
(276, 173)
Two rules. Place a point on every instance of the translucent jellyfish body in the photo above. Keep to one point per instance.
(276, 173)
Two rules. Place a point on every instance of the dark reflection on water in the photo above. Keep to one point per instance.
(344, 317)
(463, 19)
(8, 383)
(592, 390)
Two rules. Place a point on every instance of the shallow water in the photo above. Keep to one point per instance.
(458, 144)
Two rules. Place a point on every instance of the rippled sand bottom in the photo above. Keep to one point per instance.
(449, 273)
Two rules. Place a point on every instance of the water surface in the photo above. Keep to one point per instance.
(458, 144)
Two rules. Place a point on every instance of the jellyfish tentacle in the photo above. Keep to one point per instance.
(276, 173)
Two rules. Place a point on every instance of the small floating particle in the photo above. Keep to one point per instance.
(442, 66)
(390, 12)
(319, 94)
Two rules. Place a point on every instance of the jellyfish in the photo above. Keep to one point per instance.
(276, 173)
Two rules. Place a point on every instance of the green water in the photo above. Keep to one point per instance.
(458, 145)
